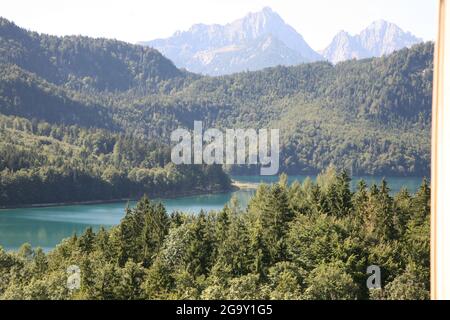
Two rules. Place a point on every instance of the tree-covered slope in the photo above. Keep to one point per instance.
(84, 62)
(48, 163)
(370, 116)
(24, 94)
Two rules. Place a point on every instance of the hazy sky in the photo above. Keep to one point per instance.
(133, 20)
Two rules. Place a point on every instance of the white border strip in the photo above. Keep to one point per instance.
(440, 221)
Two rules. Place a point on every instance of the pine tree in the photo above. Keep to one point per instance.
(421, 203)
(155, 228)
(386, 214)
(40, 263)
(234, 256)
(130, 282)
(223, 224)
(340, 195)
(104, 245)
(319, 201)
(88, 275)
(403, 211)
(260, 252)
(380, 214)
(272, 215)
(201, 247)
(359, 201)
(87, 240)
(127, 242)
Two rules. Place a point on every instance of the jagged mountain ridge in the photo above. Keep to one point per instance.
(258, 40)
(378, 39)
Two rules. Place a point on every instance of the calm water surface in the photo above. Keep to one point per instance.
(46, 227)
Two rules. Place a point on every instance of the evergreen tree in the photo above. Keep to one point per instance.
(421, 203)
(360, 199)
(131, 279)
(87, 240)
(127, 239)
(339, 195)
(155, 228)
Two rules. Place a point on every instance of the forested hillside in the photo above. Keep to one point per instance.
(304, 241)
(43, 163)
(84, 62)
(369, 117)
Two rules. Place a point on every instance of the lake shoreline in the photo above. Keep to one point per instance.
(162, 196)
(240, 185)
(46, 227)
(234, 186)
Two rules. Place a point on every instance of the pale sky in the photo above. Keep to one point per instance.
(138, 20)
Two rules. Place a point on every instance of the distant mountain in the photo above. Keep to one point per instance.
(378, 39)
(258, 40)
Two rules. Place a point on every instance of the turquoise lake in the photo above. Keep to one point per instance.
(46, 227)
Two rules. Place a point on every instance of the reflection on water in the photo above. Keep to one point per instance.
(46, 227)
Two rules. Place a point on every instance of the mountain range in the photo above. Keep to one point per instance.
(379, 38)
(262, 39)
(256, 41)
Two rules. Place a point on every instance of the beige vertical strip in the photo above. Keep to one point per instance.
(440, 175)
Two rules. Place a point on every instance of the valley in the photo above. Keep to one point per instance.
(70, 123)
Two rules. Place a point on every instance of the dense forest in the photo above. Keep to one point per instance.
(301, 241)
(90, 119)
(369, 117)
(44, 163)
